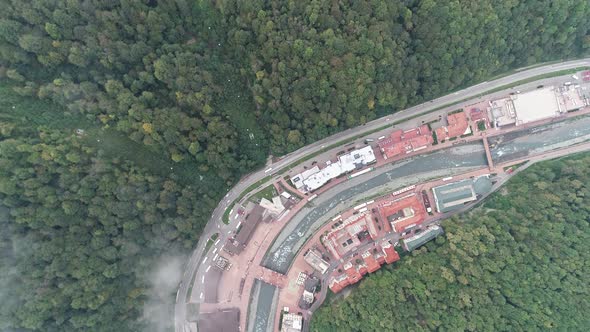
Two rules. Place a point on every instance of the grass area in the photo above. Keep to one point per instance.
(456, 111)
(209, 244)
(481, 126)
(269, 192)
(255, 185)
(211, 241)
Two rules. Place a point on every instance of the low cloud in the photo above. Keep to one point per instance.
(158, 311)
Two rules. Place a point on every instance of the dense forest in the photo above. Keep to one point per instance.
(518, 263)
(122, 123)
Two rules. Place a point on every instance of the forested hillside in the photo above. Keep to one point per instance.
(518, 263)
(178, 99)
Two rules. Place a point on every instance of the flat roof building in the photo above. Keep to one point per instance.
(315, 178)
(314, 258)
(522, 108)
(570, 97)
(237, 243)
(420, 239)
(347, 235)
(291, 322)
(454, 195)
(502, 112)
(223, 320)
(535, 105)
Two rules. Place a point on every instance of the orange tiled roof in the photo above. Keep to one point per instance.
(391, 255)
(389, 208)
(457, 126)
(402, 142)
(371, 262)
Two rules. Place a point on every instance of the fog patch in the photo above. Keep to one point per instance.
(158, 310)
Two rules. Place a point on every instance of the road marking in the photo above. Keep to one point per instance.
(216, 242)
(231, 211)
(201, 295)
(203, 280)
(214, 251)
(268, 170)
(207, 269)
(229, 231)
(205, 260)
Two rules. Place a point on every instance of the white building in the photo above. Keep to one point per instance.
(315, 178)
(292, 322)
(536, 105)
(526, 107)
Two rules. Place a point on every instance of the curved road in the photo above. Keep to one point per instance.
(215, 223)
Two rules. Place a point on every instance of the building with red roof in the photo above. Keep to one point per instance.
(401, 142)
(349, 234)
(391, 255)
(403, 213)
(352, 273)
(338, 283)
(458, 126)
(370, 262)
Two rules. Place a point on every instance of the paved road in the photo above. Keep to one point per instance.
(215, 223)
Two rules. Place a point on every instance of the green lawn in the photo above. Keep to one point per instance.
(481, 126)
(268, 193)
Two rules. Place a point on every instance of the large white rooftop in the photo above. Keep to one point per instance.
(314, 178)
(536, 105)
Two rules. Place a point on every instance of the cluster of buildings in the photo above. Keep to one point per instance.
(348, 234)
(536, 105)
(314, 178)
(403, 212)
(402, 142)
(370, 261)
